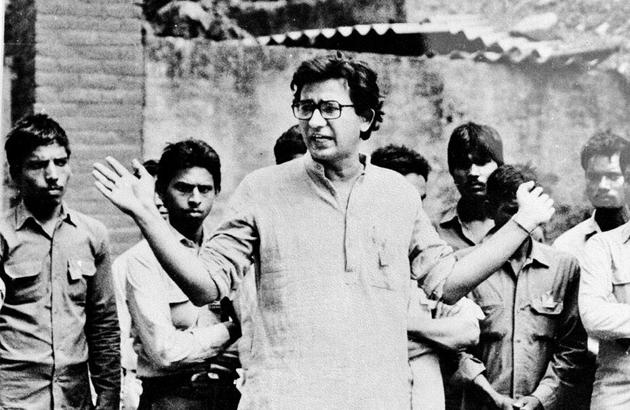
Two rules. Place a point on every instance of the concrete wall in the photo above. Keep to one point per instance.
(238, 100)
(86, 70)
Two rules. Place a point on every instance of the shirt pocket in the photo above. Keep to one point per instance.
(24, 282)
(385, 274)
(545, 315)
(493, 326)
(388, 273)
(79, 272)
(621, 286)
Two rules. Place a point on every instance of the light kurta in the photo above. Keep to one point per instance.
(329, 327)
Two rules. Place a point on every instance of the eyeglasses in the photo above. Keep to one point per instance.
(329, 110)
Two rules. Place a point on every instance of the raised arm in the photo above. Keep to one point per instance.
(534, 208)
(135, 197)
(203, 279)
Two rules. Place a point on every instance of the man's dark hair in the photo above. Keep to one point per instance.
(364, 91)
(187, 154)
(401, 159)
(289, 145)
(606, 143)
(28, 134)
(151, 166)
(504, 182)
(482, 142)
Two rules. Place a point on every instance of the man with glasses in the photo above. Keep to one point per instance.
(334, 241)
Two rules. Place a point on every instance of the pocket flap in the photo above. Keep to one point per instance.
(22, 270)
(80, 267)
(547, 306)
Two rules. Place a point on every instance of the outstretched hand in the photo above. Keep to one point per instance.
(534, 206)
(130, 193)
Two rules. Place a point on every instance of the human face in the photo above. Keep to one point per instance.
(605, 182)
(504, 211)
(471, 180)
(189, 196)
(44, 175)
(160, 206)
(419, 183)
(332, 142)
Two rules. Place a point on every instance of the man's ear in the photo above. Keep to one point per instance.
(368, 119)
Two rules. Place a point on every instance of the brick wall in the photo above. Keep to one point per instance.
(89, 75)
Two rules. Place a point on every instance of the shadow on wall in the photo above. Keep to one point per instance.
(238, 99)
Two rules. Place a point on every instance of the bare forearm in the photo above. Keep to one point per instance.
(483, 261)
(187, 272)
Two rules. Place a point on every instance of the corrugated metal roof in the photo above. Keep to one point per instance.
(458, 37)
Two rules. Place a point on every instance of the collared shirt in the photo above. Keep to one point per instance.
(605, 309)
(532, 341)
(171, 334)
(332, 281)
(574, 240)
(59, 314)
(453, 230)
(450, 229)
(128, 357)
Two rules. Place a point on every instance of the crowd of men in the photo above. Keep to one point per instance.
(326, 286)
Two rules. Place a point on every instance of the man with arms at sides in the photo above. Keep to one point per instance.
(131, 385)
(605, 189)
(474, 151)
(605, 307)
(58, 316)
(431, 326)
(532, 342)
(334, 241)
(289, 145)
(173, 338)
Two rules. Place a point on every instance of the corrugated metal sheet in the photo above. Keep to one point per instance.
(458, 37)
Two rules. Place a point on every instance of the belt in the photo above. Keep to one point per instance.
(189, 385)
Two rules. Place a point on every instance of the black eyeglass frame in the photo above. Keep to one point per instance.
(318, 107)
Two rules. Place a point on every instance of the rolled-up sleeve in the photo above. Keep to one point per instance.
(102, 330)
(604, 317)
(432, 260)
(229, 253)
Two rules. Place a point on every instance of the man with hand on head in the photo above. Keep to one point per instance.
(532, 343)
(59, 313)
(334, 241)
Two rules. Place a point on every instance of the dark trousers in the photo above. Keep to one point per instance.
(180, 392)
